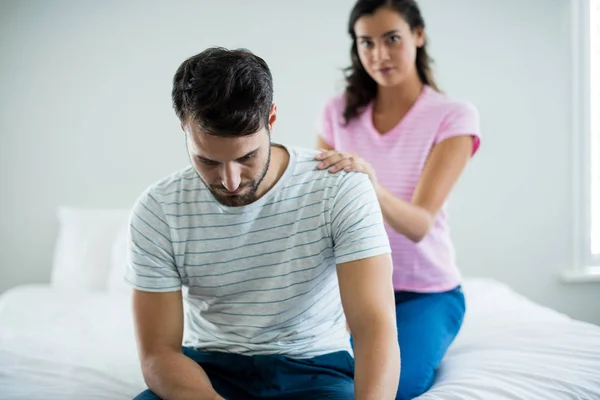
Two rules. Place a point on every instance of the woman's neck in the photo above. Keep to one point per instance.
(401, 97)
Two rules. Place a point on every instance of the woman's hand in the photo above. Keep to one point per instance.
(337, 161)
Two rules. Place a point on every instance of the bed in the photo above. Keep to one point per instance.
(73, 338)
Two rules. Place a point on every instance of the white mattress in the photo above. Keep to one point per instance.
(55, 345)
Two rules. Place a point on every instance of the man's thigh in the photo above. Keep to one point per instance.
(147, 395)
(333, 392)
(270, 377)
(229, 374)
(327, 377)
(236, 377)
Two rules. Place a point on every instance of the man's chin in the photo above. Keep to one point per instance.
(234, 200)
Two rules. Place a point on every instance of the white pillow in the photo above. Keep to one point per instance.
(119, 258)
(83, 248)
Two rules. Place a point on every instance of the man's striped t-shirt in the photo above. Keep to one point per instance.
(260, 278)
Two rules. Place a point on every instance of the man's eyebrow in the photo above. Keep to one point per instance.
(250, 153)
(205, 159)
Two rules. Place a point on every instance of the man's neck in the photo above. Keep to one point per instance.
(280, 159)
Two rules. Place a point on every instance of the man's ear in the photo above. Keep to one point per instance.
(272, 116)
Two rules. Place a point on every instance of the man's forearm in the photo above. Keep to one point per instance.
(377, 364)
(173, 375)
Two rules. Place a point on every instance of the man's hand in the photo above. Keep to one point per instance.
(368, 299)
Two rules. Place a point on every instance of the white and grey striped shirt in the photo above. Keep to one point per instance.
(261, 278)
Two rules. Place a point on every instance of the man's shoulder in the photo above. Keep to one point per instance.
(304, 155)
(305, 171)
(307, 174)
(176, 184)
(180, 181)
(173, 189)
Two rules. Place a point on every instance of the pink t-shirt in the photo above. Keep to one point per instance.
(398, 158)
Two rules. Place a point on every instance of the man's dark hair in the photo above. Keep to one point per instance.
(226, 92)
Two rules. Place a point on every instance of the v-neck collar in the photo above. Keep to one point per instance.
(367, 117)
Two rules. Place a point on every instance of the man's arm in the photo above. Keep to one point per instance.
(159, 330)
(158, 307)
(364, 267)
(368, 300)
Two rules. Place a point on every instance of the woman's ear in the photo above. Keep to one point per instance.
(419, 36)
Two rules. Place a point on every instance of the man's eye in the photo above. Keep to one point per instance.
(247, 158)
(206, 162)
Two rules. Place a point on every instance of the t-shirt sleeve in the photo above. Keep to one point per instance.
(461, 120)
(325, 123)
(151, 262)
(356, 221)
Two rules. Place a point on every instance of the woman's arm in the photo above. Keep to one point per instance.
(413, 219)
(444, 166)
(322, 144)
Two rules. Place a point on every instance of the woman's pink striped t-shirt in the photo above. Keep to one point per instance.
(398, 158)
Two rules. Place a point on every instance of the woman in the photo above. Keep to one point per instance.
(413, 142)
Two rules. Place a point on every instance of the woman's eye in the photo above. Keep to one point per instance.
(365, 43)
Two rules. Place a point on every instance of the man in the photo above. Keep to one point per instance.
(269, 248)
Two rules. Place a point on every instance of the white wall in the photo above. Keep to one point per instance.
(86, 118)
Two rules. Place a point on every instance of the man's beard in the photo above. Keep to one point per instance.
(249, 187)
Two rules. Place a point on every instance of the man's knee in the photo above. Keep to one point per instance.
(339, 392)
(147, 395)
(414, 382)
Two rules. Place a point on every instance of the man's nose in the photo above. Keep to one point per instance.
(231, 177)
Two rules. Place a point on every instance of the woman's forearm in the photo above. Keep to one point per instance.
(402, 216)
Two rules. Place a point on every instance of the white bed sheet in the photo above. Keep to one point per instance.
(56, 345)
(512, 348)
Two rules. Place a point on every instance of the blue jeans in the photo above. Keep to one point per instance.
(427, 325)
(238, 377)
